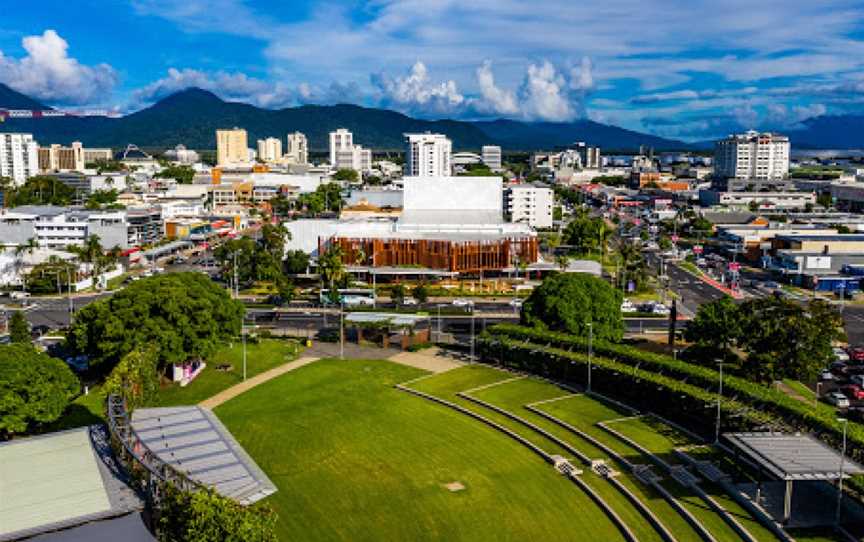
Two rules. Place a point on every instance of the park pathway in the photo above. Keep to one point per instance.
(237, 389)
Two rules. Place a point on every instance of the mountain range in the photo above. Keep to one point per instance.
(192, 116)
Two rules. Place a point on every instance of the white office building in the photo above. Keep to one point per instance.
(19, 157)
(529, 204)
(270, 149)
(340, 140)
(752, 155)
(428, 155)
(589, 157)
(492, 157)
(297, 149)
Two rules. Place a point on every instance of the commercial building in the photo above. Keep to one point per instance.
(344, 154)
(97, 155)
(59, 227)
(340, 140)
(492, 157)
(428, 155)
(232, 147)
(761, 200)
(269, 150)
(19, 157)
(58, 158)
(297, 149)
(752, 155)
(530, 204)
(589, 156)
(182, 155)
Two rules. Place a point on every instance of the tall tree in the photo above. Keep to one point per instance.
(332, 270)
(19, 329)
(716, 329)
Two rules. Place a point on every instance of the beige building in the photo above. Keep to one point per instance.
(60, 159)
(269, 150)
(95, 155)
(297, 149)
(232, 147)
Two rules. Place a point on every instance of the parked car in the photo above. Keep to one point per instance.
(660, 309)
(459, 302)
(857, 379)
(770, 284)
(856, 354)
(840, 354)
(355, 300)
(826, 375)
(628, 306)
(853, 392)
(516, 302)
(837, 399)
(409, 301)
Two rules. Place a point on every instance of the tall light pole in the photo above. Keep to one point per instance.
(719, 397)
(590, 352)
(845, 423)
(342, 329)
(243, 334)
(472, 331)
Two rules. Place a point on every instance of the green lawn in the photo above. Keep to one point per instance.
(356, 459)
(652, 434)
(84, 410)
(260, 357)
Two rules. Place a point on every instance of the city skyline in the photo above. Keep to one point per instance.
(691, 71)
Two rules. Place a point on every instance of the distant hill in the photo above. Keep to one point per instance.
(829, 132)
(11, 99)
(192, 116)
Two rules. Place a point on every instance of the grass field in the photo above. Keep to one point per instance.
(356, 459)
(260, 357)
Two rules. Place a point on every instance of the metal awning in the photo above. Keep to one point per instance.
(793, 456)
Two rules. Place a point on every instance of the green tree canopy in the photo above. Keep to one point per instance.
(182, 174)
(19, 328)
(570, 301)
(296, 262)
(39, 190)
(586, 233)
(346, 175)
(715, 329)
(34, 388)
(205, 516)
(420, 293)
(180, 315)
(51, 276)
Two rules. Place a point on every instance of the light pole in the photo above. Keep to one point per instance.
(472, 331)
(243, 333)
(816, 395)
(719, 397)
(845, 423)
(590, 352)
(342, 329)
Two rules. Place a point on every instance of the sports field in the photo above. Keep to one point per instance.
(356, 459)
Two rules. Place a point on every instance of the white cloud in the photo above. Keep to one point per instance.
(493, 99)
(544, 96)
(49, 74)
(417, 92)
(582, 77)
(229, 86)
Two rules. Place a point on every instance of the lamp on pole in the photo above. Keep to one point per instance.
(719, 397)
(845, 423)
(590, 352)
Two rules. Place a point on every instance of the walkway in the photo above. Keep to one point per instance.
(237, 389)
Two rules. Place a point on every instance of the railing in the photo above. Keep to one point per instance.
(149, 473)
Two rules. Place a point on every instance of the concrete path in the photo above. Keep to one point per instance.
(250, 383)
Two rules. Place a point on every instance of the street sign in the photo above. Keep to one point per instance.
(674, 238)
(734, 266)
(697, 249)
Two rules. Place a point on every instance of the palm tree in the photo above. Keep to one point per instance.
(563, 261)
(20, 251)
(633, 265)
(93, 253)
(332, 269)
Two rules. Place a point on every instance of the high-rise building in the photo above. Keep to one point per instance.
(428, 155)
(19, 156)
(529, 204)
(588, 156)
(354, 157)
(231, 147)
(340, 140)
(297, 150)
(492, 157)
(62, 159)
(752, 156)
(270, 149)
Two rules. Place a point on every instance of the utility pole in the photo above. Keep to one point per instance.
(472, 333)
(719, 396)
(590, 352)
(243, 333)
(845, 423)
(342, 329)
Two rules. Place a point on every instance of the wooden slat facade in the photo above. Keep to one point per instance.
(454, 256)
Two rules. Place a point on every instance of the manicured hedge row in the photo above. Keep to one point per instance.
(793, 413)
(691, 405)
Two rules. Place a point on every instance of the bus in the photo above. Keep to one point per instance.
(349, 297)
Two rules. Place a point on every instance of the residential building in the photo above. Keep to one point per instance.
(297, 149)
(59, 227)
(269, 150)
(428, 155)
(530, 204)
(589, 156)
(340, 140)
(57, 158)
(19, 157)
(462, 159)
(97, 155)
(752, 155)
(232, 148)
(492, 157)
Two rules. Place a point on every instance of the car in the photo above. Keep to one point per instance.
(853, 392)
(628, 306)
(770, 284)
(826, 375)
(409, 301)
(857, 379)
(355, 300)
(516, 303)
(837, 399)
(459, 302)
(660, 309)
(19, 295)
(840, 354)
(856, 354)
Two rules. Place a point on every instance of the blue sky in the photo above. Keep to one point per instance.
(687, 69)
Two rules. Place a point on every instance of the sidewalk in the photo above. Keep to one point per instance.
(234, 391)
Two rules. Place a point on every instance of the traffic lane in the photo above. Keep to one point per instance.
(853, 318)
(693, 292)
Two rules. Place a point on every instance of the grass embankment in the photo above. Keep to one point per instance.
(356, 459)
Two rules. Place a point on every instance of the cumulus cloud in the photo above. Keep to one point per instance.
(49, 74)
(229, 86)
(416, 92)
(582, 76)
(493, 99)
(781, 116)
(544, 94)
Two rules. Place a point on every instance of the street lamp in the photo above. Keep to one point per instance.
(590, 352)
(243, 335)
(845, 423)
(342, 329)
(719, 397)
(471, 307)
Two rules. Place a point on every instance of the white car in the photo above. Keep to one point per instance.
(840, 354)
(409, 301)
(826, 375)
(19, 295)
(516, 303)
(355, 300)
(837, 399)
(462, 303)
(661, 309)
(628, 306)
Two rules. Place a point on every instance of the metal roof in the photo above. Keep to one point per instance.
(59, 480)
(196, 443)
(394, 319)
(793, 456)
